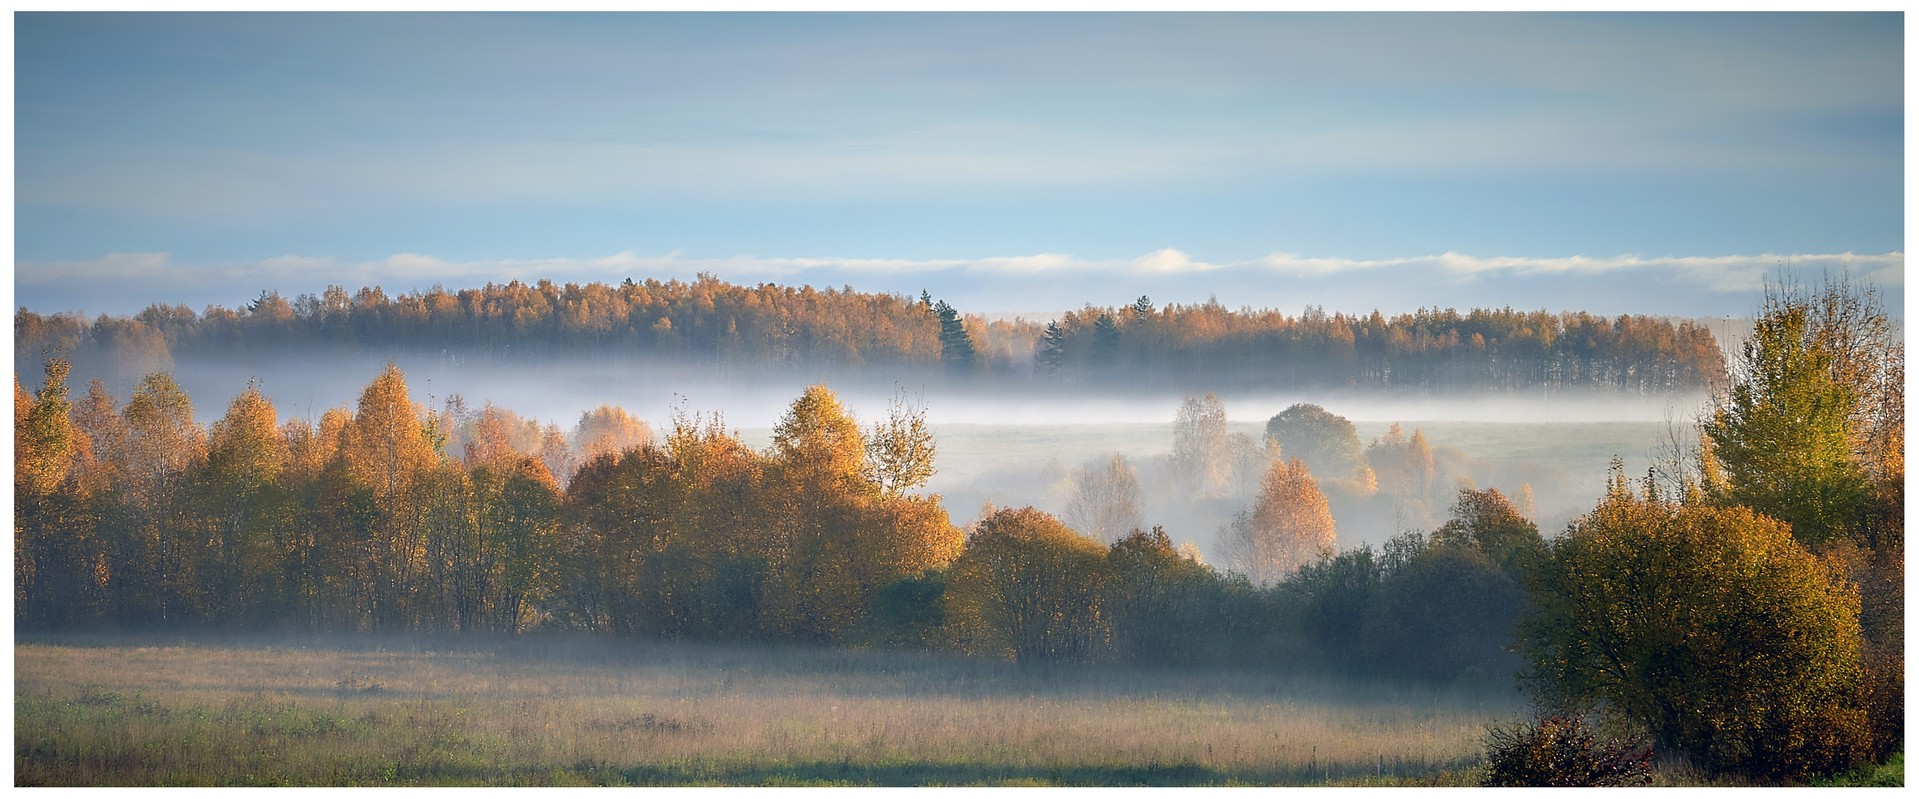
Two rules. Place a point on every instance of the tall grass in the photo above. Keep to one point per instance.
(565, 712)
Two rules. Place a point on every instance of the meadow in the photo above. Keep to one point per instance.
(115, 711)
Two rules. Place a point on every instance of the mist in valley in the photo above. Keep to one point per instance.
(1006, 444)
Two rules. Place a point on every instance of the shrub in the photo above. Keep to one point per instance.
(1710, 628)
(1562, 752)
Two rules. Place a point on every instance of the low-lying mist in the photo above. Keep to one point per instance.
(1011, 445)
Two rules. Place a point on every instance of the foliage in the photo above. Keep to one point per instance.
(707, 320)
(1557, 751)
(1784, 433)
(1489, 524)
(1708, 627)
(1288, 526)
(899, 449)
(1027, 588)
(1327, 442)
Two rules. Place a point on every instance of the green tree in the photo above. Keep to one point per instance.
(1327, 442)
(1104, 350)
(1708, 627)
(956, 345)
(1792, 432)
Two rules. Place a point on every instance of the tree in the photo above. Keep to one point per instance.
(1327, 442)
(1050, 356)
(165, 447)
(837, 537)
(1104, 351)
(608, 430)
(900, 449)
(1288, 526)
(1157, 602)
(245, 455)
(57, 560)
(1142, 308)
(1795, 433)
(1490, 524)
(956, 345)
(1708, 627)
(1027, 588)
(386, 449)
(1201, 449)
(1106, 502)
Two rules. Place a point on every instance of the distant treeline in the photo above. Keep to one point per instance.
(1202, 346)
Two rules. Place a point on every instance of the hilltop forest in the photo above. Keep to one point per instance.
(1190, 347)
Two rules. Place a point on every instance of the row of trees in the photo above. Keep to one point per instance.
(393, 516)
(709, 321)
(1427, 349)
(369, 520)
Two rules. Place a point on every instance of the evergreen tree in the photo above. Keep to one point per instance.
(956, 345)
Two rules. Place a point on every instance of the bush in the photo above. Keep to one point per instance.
(1709, 628)
(1562, 752)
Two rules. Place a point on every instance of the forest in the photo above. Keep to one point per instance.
(1740, 607)
(1204, 347)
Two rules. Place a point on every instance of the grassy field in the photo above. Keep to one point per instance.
(116, 711)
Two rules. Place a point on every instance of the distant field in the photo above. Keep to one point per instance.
(106, 711)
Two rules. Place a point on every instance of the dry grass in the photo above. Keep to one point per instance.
(114, 712)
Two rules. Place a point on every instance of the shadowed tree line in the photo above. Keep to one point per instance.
(708, 321)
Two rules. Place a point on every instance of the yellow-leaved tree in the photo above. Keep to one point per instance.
(1288, 526)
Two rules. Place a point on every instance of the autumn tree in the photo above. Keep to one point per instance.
(165, 447)
(899, 449)
(1201, 449)
(237, 499)
(608, 430)
(1489, 523)
(1106, 503)
(1027, 588)
(57, 565)
(1288, 526)
(44, 439)
(1708, 627)
(386, 449)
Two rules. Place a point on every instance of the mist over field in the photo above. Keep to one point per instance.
(1010, 446)
(959, 399)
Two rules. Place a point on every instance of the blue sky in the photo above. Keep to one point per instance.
(1658, 163)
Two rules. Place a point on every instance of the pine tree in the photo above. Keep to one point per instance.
(956, 345)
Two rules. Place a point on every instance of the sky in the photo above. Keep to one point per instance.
(1008, 163)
